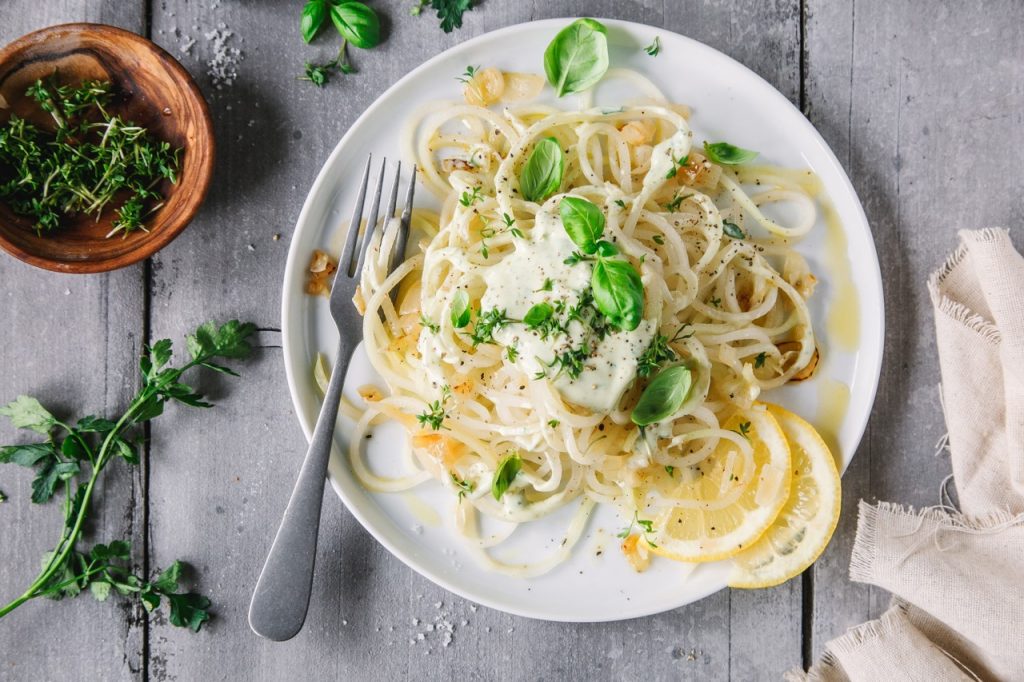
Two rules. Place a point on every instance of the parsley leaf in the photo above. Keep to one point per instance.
(73, 458)
(450, 12)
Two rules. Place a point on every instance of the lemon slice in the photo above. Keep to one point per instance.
(807, 520)
(722, 505)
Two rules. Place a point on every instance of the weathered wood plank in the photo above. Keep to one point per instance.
(247, 451)
(72, 341)
(921, 110)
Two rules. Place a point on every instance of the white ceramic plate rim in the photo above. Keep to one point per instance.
(871, 355)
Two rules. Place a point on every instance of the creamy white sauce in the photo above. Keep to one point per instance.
(516, 284)
(664, 157)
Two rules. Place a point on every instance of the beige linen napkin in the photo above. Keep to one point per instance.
(958, 578)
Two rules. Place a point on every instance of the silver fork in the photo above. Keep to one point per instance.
(281, 598)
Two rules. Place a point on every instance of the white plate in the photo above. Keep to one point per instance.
(729, 102)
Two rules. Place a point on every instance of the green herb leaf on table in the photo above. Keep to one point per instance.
(357, 23)
(577, 58)
(618, 293)
(450, 12)
(654, 48)
(663, 396)
(583, 221)
(508, 468)
(314, 14)
(460, 309)
(541, 176)
(74, 453)
(727, 154)
(26, 413)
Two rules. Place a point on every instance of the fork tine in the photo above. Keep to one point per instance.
(398, 253)
(394, 197)
(353, 227)
(371, 221)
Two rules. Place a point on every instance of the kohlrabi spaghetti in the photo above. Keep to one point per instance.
(591, 319)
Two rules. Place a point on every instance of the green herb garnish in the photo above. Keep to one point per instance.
(542, 174)
(460, 309)
(663, 396)
(676, 165)
(463, 485)
(435, 413)
(759, 360)
(429, 324)
(646, 526)
(507, 470)
(471, 197)
(72, 457)
(486, 324)
(733, 230)
(654, 48)
(617, 289)
(727, 154)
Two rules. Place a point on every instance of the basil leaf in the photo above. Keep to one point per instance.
(313, 16)
(357, 23)
(583, 221)
(607, 249)
(460, 309)
(578, 56)
(727, 154)
(618, 293)
(538, 314)
(663, 396)
(542, 174)
(732, 230)
(503, 477)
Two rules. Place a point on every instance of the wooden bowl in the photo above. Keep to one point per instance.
(151, 89)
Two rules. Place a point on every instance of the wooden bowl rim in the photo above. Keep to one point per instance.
(146, 247)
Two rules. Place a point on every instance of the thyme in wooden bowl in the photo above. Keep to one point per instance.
(91, 160)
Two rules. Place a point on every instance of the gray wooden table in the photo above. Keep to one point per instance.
(922, 103)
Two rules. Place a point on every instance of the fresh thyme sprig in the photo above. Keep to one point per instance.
(72, 458)
(88, 162)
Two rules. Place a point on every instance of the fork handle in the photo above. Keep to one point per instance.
(281, 598)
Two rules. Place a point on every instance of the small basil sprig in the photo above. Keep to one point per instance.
(727, 154)
(460, 309)
(618, 290)
(357, 23)
(507, 470)
(578, 56)
(663, 396)
(542, 174)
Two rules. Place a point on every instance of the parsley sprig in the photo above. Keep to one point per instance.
(73, 456)
(646, 527)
